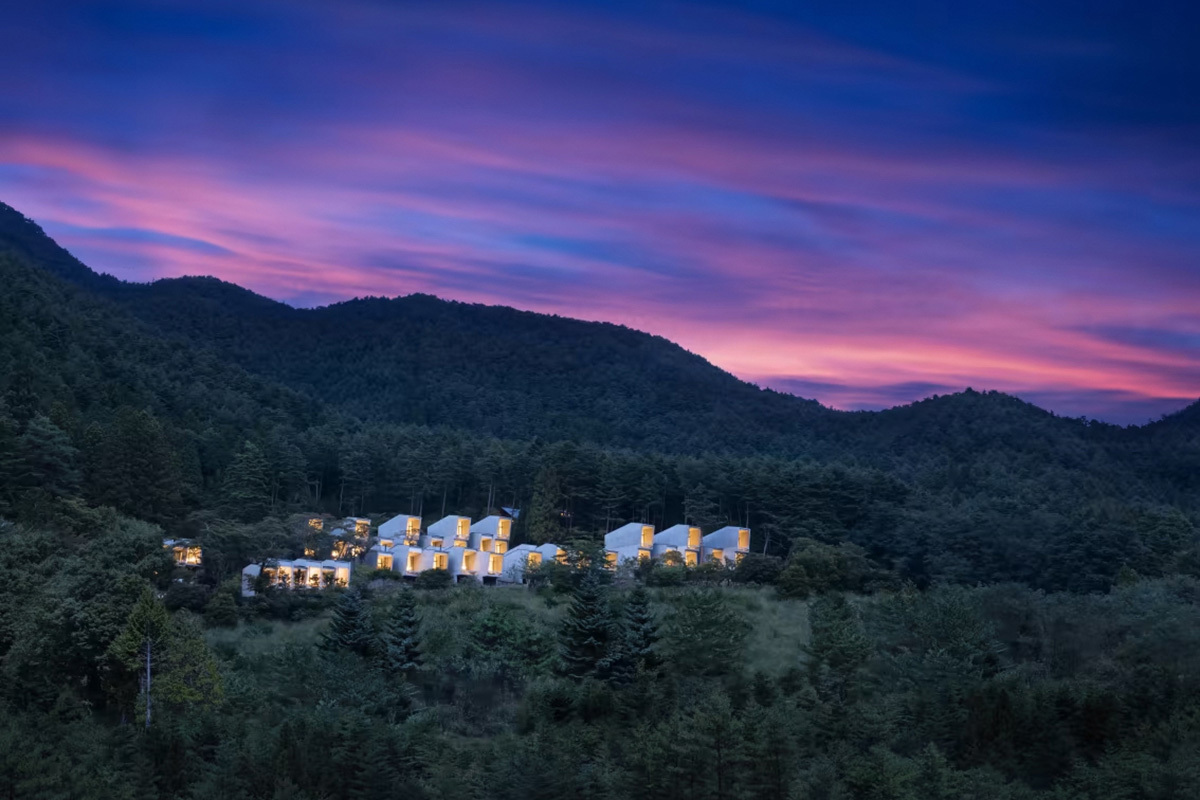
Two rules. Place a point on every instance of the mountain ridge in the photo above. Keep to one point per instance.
(239, 323)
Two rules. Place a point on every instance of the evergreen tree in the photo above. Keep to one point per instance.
(221, 610)
(586, 638)
(704, 636)
(47, 458)
(350, 629)
(138, 650)
(399, 642)
(641, 631)
(247, 489)
(838, 648)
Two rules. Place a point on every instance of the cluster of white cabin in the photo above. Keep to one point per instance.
(480, 551)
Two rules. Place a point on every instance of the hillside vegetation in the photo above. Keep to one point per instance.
(965, 597)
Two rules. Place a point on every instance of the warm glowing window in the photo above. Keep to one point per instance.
(534, 559)
(689, 558)
(560, 556)
(386, 543)
(693, 537)
(643, 555)
(501, 547)
(485, 545)
(495, 564)
(743, 539)
(315, 523)
(611, 558)
(440, 561)
(738, 558)
(647, 536)
(343, 577)
(309, 552)
(413, 525)
(502, 528)
(464, 528)
(362, 527)
(414, 562)
(384, 562)
(468, 561)
(436, 542)
(717, 555)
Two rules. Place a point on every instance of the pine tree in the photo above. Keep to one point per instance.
(247, 488)
(47, 458)
(138, 649)
(586, 637)
(350, 629)
(399, 643)
(838, 648)
(641, 631)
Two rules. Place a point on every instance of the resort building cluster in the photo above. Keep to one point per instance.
(471, 551)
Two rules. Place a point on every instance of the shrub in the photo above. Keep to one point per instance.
(758, 568)
(434, 579)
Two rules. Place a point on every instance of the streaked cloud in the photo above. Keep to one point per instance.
(863, 210)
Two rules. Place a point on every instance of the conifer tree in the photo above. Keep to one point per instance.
(399, 643)
(247, 484)
(586, 638)
(641, 631)
(350, 629)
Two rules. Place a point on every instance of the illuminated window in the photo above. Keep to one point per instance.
(495, 564)
(611, 558)
(643, 555)
(743, 539)
(413, 526)
(362, 527)
(534, 559)
(689, 558)
(647, 535)
(386, 543)
(485, 545)
(560, 556)
(502, 528)
(468, 561)
(414, 562)
(314, 523)
(464, 528)
(436, 542)
(440, 561)
(384, 561)
(309, 552)
(738, 558)
(717, 555)
(501, 546)
(693, 537)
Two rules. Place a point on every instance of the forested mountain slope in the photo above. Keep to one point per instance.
(168, 400)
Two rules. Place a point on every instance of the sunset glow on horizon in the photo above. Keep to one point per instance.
(864, 210)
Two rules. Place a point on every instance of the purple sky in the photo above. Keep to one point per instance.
(863, 207)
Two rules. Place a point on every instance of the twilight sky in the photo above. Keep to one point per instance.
(861, 202)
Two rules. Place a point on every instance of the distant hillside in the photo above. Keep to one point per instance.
(150, 396)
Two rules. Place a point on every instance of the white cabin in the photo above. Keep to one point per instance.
(401, 529)
(301, 573)
(491, 534)
(729, 544)
(516, 561)
(681, 539)
(634, 540)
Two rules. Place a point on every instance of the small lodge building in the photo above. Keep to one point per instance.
(633, 540)
(185, 552)
(729, 544)
(300, 573)
(683, 540)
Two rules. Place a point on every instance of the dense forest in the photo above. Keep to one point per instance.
(965, 597)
